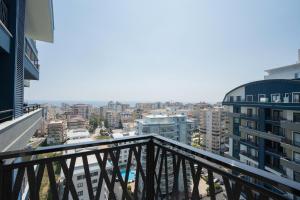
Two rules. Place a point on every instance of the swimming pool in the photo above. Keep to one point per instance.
(131, 176)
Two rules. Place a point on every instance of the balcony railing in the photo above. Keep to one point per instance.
(3, 13)
(6, 115)
(164, 169)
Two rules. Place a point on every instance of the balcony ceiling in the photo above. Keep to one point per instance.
(39, 21)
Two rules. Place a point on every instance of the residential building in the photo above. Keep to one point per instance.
(76, 122)
(176, 127)
(82, 110)
(75, 134)
(79, 176)
(22, 23)
(56, 130)
(113, 119)
(124, 153)
(264, 121)
(213, 129)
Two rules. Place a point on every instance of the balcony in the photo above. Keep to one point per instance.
(31, 63)
(290, 144)
(287, 124)
(262, 134)
(289, 163)
(162, 167)
(16, 132)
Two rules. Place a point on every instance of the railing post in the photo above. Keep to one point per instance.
(150, 170)
(5, 182)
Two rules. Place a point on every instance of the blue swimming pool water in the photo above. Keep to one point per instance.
(131, 176)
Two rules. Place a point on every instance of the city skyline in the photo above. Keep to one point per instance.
(160, 51)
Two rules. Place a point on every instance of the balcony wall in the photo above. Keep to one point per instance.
(295, 126)
(15, 134)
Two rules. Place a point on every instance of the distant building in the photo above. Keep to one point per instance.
(124, 152)
(82, 109)
(76, 122)
(113, 119)
(176, 127)
(77, 134)
(213, 129)
(78, 177)
(56, 130)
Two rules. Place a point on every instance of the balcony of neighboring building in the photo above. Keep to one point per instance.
(31, 63)
(191, 168)
(16, 132)
(277, 137)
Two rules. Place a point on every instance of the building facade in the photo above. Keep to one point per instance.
(56, 131)
(22, 23)
(176, 127)
(264, 123)
(213, 129)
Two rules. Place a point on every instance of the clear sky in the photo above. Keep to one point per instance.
(157, 50)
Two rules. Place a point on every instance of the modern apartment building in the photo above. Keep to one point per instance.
(113, 119)
(124, 153)
(21, 24)
(264, 122)
(82, 110)
(56, 131)
(79, 177)
(176, 127)
(213, 129)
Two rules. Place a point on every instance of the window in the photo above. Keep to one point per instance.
(296, 176)
(296, 117)
(80, 177)
(286, 98)
(296, 75)
(236, 120)
(275, 98)
(94, 181)
(79, 185)
(296, 139)
(238, 98)
(297, 157)
(94, 189)
(249, 112)
(261, 97)
(94, 174)
(80, 193)
(231, 99)
(296, 97)
(249, 98)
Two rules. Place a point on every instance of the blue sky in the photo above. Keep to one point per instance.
(158, 50)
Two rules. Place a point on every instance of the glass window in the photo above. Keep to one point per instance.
(297, 139)
(94, 181)
(231, 98)
(238, 98)
(249, 98)
(296, 97)
(261, 97)
(297, 176)
(275, 98)
(296, 117)
(297, 157)
(80, 185)
(249, 112)
(80, 193)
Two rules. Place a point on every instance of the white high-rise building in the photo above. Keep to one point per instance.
(78, 177)
(213, 129)
(175, 127)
